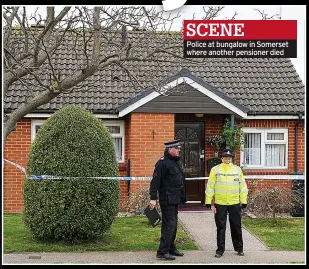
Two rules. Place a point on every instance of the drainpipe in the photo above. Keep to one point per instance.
(232, 121)
(128, 174)
(296, 147)
(232, 127)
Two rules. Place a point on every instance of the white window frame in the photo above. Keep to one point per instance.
(264, 141)
(120, 135)
(36, 122)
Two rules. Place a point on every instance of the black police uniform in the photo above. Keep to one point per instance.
(169, 181)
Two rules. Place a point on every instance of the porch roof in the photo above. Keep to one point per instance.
(182, 82)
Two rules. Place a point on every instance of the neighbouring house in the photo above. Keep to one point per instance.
(266, 95)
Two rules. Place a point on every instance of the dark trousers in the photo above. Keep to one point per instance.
(235, 226)
(168, 228)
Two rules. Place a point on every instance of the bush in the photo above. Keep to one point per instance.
(273, 201)
(73, 145)
(298, 196)
(137, 201)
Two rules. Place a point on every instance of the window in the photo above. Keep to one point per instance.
(116, 129)
(35, 126)
(265, 148)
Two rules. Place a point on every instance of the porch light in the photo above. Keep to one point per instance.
(199, 115)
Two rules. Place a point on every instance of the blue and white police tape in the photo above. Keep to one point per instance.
(288, 177)
(23, 169)
(113, 178)
(40, 177)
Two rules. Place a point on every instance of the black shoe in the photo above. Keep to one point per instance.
(165, 257)
(240, 253)
(218, 255)
(176, 253)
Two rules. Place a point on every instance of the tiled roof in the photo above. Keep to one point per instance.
(186, 74)
(266, 86)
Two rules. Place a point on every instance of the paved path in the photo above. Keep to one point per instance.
(200, 225)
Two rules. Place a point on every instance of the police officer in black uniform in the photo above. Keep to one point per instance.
(168, 182)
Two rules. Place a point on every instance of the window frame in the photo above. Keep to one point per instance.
(120, 135)
(34, 123)
(264, 142)
(39, 122)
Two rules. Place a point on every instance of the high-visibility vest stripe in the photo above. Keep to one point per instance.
(226, 191)
(234, 183)
(227, 175)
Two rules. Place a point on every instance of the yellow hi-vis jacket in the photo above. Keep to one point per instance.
(227, 185)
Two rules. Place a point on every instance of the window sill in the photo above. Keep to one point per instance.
(265, 168)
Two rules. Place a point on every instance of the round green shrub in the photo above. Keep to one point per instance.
(76, 147)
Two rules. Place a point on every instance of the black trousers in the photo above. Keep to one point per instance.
(168, 228)
(235, 226)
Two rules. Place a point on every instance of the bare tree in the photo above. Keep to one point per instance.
(213, 12)
(96, 39)
(265, 16)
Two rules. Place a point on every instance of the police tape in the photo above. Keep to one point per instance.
(40, 177)
(288, 177)
(23, 169)
(113, 178)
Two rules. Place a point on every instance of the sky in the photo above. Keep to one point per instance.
(245, 12)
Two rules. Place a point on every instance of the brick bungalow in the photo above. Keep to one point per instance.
(266, 95)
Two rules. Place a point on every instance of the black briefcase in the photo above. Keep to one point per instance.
(153, 216)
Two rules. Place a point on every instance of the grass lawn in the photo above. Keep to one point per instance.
(132, 233)
(278, 233)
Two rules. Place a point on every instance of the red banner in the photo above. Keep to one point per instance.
(240, 29)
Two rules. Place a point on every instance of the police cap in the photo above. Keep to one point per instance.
(227, 153)
(173, 144)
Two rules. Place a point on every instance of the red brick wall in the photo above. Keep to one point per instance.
(259, 184)
(145, 135)
(16, 149)
(148, 132)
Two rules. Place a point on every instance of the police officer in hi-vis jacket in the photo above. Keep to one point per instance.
(227, 188)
